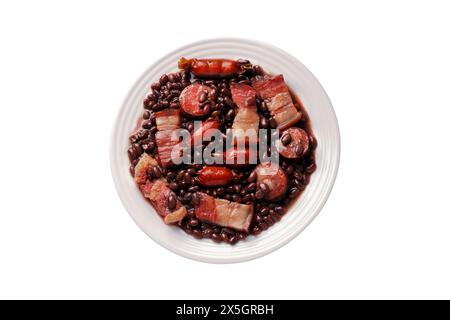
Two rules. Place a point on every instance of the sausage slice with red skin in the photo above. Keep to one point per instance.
(189, 100)
(298, 146)
(223, 212)
(215, 176)
(274, 178)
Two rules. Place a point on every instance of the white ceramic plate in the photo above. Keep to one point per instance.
(324, 126)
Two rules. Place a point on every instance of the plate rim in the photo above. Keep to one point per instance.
(249, 256)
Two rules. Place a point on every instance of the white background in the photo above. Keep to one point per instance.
(65, 68)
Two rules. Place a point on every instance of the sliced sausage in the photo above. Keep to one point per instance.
(208, 68)
(190, 100)
(215, 176)
(298, 145)
(274, 178)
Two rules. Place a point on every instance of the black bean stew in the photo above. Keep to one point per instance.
(186, 194)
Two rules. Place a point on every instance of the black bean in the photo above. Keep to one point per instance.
(286, 139)
(264, 107)
(256, 230)
(146, 115)
(259, 194)
(236, 198)
(147, 124)
(164, 79)
(224, 236)
(229, 102)
(172, 77)
(257, 70)
(230, 114)
(236, 188)
(173, 185)
(225, 92)
(298, 150)
(197, 234)
(156, 86)
(264, 123)
(213, 94)
(132, 154)
(216, 114)
(252, 177)
(311, 168)
(207, 108)
(171, 175)
(207, 233)
(294, 192)
(171, 201)
(251, 187)
(289, 169)
(202, 97)
(221, 191)
(191, 171)
(150, 174)
(263, 187)
(264, 211)
(280, 210)
(233, 239)
(195, 199)
(298, 174)
(216, 237)
(313, 141)
(156, 172)
(247, 198)
(273, 122)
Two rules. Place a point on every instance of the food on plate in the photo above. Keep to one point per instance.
(236, 193)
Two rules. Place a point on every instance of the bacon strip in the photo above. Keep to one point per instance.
(167, 143)
(168, 119)
(157, 191)
(280, 102)
(246, 122)
(223, 212)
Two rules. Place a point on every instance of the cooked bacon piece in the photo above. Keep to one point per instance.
(190, 100)
(140, 171)
(214, 176)
(167, 142)
(246, 122)
(207, 68)
(241, 157)
(223, 212)
(297, 147)
(168, 119)
(280, 102)
(157, 191)
(159, 196)
(269, 86)
(274, 178)
(204, 132)
(243, 95)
